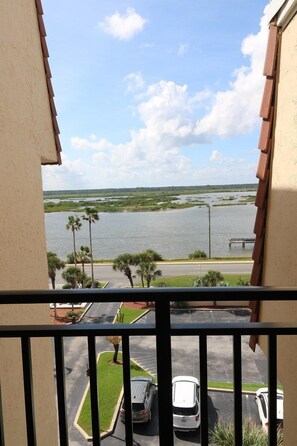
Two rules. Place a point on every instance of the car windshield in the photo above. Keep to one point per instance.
(186, 411)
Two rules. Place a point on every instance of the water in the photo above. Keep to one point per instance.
(172, 233)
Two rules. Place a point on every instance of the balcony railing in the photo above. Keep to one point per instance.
(163, 329)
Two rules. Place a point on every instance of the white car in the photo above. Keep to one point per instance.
(186, 403)
(261, 400)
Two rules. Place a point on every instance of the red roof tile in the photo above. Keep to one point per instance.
(271, 51)
(267, 98)
(263, 170)
(48, 75)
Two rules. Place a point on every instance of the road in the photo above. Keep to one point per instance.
(116, 279)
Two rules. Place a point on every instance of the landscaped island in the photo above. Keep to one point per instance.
(142, 199)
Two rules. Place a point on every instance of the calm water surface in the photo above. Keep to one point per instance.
(172, 233)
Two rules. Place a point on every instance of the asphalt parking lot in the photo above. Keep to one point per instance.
(185, 361)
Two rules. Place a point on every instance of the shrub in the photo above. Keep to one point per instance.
(180, 304)
(197, 255)
(70, 258)
(160, 284)
(66, 286)
(243, 282)
(252, 435)
(88, 284)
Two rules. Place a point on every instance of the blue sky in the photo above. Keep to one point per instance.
(156, 93)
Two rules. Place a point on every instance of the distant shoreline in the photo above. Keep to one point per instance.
(142, 199)
(179, 190)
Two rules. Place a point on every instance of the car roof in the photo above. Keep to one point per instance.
(184, 391)
(142, 378)
(138, 388)
(185, 378)
(279, 400)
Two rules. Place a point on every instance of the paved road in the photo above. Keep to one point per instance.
(117, 279)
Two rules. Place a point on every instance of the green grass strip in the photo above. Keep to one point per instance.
(110, 382)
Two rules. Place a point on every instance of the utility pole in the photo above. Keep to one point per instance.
(209, 232)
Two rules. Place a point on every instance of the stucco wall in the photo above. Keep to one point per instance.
(280, 261)
(26, 137)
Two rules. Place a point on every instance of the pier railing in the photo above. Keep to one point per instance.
(163, 329)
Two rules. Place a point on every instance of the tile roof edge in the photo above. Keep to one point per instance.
(47, 72)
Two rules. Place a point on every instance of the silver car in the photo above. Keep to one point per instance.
(142, 397)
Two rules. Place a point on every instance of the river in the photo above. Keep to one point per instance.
(172, 233)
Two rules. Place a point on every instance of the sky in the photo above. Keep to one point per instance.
(153, 93)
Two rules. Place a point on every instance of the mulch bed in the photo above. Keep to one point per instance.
(62, 317)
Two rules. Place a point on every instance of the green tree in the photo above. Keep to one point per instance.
(74, 224)
(154, 255)
(54, 264)
(74, 276)
(211, 278)
(123, 263)
(147, 267)
(91, 216)
(83, 256)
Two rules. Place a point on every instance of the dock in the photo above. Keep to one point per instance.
(241, 240)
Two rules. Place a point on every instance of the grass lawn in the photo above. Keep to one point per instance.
(109, 389)
(187, 281)
(229, 386)
(130, 314)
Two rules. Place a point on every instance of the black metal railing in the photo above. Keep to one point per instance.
(163, 329)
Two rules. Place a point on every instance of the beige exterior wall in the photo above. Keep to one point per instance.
(27, 138)
(280, 261)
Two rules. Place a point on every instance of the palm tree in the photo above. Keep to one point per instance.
(54, 264)
(91, 215)
(147, 266)
(123, 263)
(74, 224)
(148, 271)
(74, 276)
(83, 256)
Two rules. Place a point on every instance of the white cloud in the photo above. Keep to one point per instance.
(134, 82)
(174, 119)
(123, 27)
(236, 110)
(91, 143)
(64, 176)
(182, 49)
(218, 158)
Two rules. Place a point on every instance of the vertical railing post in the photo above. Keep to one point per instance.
(60, 381)
(203, 391)
(272, 382)
(28, 390)
(127, 391)
(94, 390)
(237, 390)
(164, 371)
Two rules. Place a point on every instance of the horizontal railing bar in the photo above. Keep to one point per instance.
(187, 329)
(149, 294)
